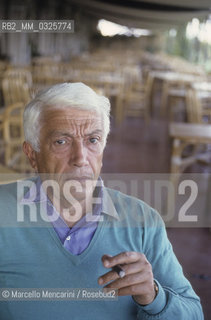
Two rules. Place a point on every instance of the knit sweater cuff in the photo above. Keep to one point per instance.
(158, 304)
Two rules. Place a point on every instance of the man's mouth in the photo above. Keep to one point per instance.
(82, 178)
(77, 178)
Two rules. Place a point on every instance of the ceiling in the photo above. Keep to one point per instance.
(150, 14)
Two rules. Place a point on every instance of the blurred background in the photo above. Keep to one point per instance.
(152, 59)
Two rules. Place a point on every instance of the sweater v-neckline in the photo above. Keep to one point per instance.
(77, 259)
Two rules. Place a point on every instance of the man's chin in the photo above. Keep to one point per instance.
(79, 179)
(65, 177)
(77, 186)
(77, 182)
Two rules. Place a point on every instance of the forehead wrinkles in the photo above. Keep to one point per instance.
(69, 122)
(80, 121)
(76, 123)
(66, 114)
(81, 126)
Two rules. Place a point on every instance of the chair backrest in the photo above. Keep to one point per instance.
(15, 90)
(22, 74)
(13, 123)
(193, 107)
(13, 137)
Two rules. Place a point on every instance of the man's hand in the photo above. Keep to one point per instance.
(138, 280)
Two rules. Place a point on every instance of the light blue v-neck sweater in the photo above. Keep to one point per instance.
(32, 256)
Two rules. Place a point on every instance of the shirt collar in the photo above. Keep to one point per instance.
(108, 206)
(36, 194)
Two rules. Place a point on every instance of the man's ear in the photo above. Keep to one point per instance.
(31, 154)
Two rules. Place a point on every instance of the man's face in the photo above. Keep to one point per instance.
(71, 145)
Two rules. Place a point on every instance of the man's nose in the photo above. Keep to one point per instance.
(79, 154)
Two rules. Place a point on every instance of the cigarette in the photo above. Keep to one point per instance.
(119, 271)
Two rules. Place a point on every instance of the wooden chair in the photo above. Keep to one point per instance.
(14, 90)
(13, 138)
(17, 86)
(23, 74)
(48, 71)
(198, 107)
(183, 135)
(135, 101)
(173, 98)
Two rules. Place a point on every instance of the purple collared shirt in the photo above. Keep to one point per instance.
(77, 238)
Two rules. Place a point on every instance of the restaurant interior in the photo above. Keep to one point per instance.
(152, 59)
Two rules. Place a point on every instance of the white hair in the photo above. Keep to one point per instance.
(63, 95)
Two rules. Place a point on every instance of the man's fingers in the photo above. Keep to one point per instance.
(122, 258)
(107, 277)
(132, 279)
(132, 268)
(112, 275)
(138, 279)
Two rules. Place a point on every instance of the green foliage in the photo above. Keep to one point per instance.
(191, 49)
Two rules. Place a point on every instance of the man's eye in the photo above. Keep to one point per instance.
(93, 140)
(60, 142)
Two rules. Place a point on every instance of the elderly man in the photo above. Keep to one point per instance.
(67, 231)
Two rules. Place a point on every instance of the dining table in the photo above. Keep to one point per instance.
(167, 79)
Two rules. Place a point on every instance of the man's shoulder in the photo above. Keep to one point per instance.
(9, 191)
(118, 196)
(130, 207)
(11, 195)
